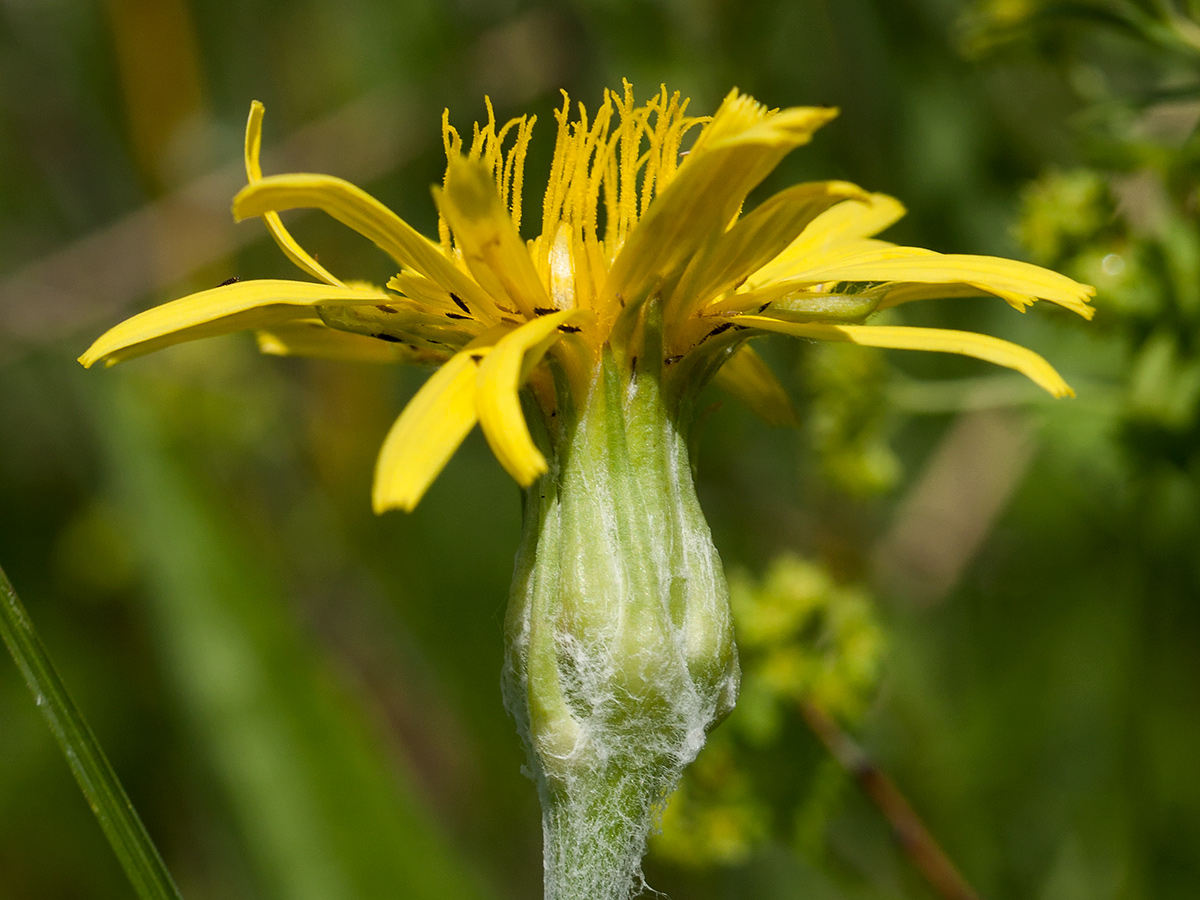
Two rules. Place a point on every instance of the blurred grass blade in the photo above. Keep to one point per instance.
(324, 810)
(88, 763)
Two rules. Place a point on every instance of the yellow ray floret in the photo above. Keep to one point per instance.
(988, 273)
(491, 245)
(313, 338)
(757, 238)
(422, 440)
(358, 210)
(732, 155)
(941, 340)
(221, 310)
(845, 227)
(750, 379)
(291, 249)
(500, 377)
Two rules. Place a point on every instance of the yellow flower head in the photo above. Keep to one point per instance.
(629, 224)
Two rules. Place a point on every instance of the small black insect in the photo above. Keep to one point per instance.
(543, 310)
(456, 316)
(459, 303)
(390, 338)
(229, 281)
(671, 360)
(568, 329)
(384, 308)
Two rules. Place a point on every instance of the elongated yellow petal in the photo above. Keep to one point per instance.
(275, 225)
(843, 227)
(907, 293)
(221, 310)
(802, 283)
(941, 340)
(357, 209)
(425, 436)
(989, 273)
(491, 246)
(498, 399)
(747, 377)
(759, 237)
(313, 338)
(739, 148)
(856, 218)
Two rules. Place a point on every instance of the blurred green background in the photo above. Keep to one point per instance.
(303, 699)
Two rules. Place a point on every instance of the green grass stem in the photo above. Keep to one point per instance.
(91, 768)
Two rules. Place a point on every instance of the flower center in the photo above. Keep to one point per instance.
(604, 173)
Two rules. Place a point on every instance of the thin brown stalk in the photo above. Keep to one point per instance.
(910, 832)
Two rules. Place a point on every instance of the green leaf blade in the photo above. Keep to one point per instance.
(91, 768)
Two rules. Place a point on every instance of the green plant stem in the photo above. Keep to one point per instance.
(108, 800)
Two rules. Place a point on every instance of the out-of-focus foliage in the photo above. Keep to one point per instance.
(1038, 703)
(803, 638)
(1126, 220)
(850, 419)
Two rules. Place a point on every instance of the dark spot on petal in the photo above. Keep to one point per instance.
(723, 327)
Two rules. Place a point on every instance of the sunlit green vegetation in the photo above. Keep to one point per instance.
(998, 593)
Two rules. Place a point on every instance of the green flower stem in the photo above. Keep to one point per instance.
(108, 800)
